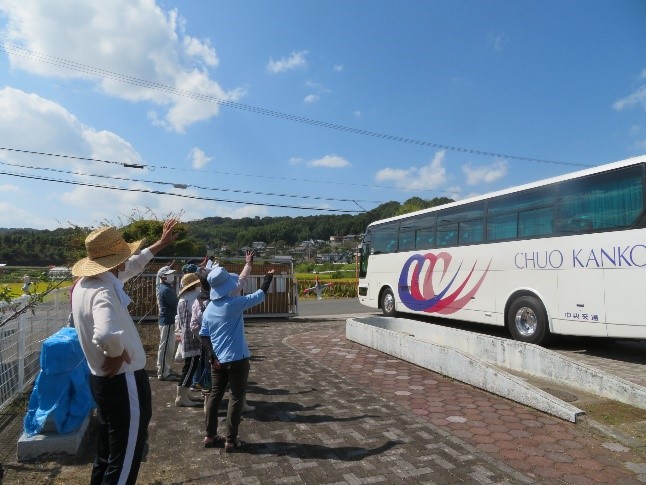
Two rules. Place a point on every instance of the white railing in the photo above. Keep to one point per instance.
(21, 340)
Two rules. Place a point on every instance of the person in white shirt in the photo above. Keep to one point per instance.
(113, 349)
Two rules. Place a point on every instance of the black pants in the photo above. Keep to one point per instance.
(190, 366)
(234, 374)
(124, 410)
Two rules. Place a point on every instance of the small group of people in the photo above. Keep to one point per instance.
(116, 357)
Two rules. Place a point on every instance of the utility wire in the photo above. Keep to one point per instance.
(271, 194)
(103, 73)
(186, 196)
(166, 167)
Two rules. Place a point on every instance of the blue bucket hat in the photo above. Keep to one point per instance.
(222, 282)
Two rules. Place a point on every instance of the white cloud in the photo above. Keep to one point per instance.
(427, 177)
(198, 158)
(357, 114)
(498, 41)
(14, 216)
(311, 98)
(487, 174)
(6, 189)
(338, 68)
(128, 37)
(329, 161)
(295, 60)
(295, 161)
(201, 50)
(636, 98)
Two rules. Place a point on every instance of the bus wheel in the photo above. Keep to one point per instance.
(527, 320)
(388, 303)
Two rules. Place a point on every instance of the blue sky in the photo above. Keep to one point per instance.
(277, 103)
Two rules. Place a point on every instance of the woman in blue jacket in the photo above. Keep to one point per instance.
(223, 321)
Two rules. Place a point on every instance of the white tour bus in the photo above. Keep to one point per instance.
(566, 255)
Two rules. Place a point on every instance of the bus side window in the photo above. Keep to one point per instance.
(447, 235)
(406, 240)
(539, 222)
(385, 238)
(471, 232)
(425, 238)
(600, 202)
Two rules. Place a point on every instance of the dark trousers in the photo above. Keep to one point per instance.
(234, 374)
(190, 366)
(124, 409)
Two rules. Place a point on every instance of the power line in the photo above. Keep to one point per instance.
(184, 186)
(98, 72)
(186, 196)
(217, 172)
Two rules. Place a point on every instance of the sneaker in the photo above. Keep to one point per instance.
(196, 387)
(248, 409)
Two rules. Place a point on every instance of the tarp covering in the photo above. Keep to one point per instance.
(62, 388)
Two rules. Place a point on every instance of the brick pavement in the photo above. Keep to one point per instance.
(330, 411)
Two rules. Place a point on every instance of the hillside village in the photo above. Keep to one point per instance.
(339, 249)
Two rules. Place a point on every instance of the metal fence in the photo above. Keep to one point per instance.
(21, 340)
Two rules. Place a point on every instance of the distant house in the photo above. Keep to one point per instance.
(258, 245)
(59, 272)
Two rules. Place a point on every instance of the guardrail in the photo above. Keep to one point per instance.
(21, 340)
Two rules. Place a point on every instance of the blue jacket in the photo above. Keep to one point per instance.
(167, 300)
(222, 321)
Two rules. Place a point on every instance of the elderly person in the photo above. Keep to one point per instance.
(113, 349)
(167, 303)
(189, 338)
(223, 320)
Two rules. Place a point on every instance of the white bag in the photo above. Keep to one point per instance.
(179, 353)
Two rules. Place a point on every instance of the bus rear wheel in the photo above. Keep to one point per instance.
(527, 320)
(388, 303)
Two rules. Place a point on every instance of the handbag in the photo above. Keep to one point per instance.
(179, 353)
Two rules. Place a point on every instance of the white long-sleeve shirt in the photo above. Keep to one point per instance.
(104, 326)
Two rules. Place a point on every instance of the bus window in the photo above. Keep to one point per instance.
(600, 202)
(406, 240)
(447, 235)
(385, 238)
(407, 234)
(363, 259)
(467, 218)
(425, 238)
(502, 227)
(539, 222)
(524, 214)
(471, 231)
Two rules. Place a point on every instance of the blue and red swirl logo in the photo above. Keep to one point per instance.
(420, 295)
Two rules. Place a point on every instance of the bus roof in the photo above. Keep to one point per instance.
(510, 190)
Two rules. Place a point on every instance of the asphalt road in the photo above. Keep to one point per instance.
(332, 306)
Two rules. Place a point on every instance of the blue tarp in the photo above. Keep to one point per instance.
(62, 388)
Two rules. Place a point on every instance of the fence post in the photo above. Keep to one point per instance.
(22, 328)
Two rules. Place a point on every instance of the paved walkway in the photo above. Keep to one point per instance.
(330, 411)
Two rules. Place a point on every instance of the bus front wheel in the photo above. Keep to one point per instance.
(388, 303)
(527, 320)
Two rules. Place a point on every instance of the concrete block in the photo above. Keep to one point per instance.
(31, 447)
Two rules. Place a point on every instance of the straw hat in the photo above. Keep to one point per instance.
(190, 280)
(106, 249)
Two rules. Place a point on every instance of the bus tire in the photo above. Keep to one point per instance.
(388, 303)
(527, 320)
